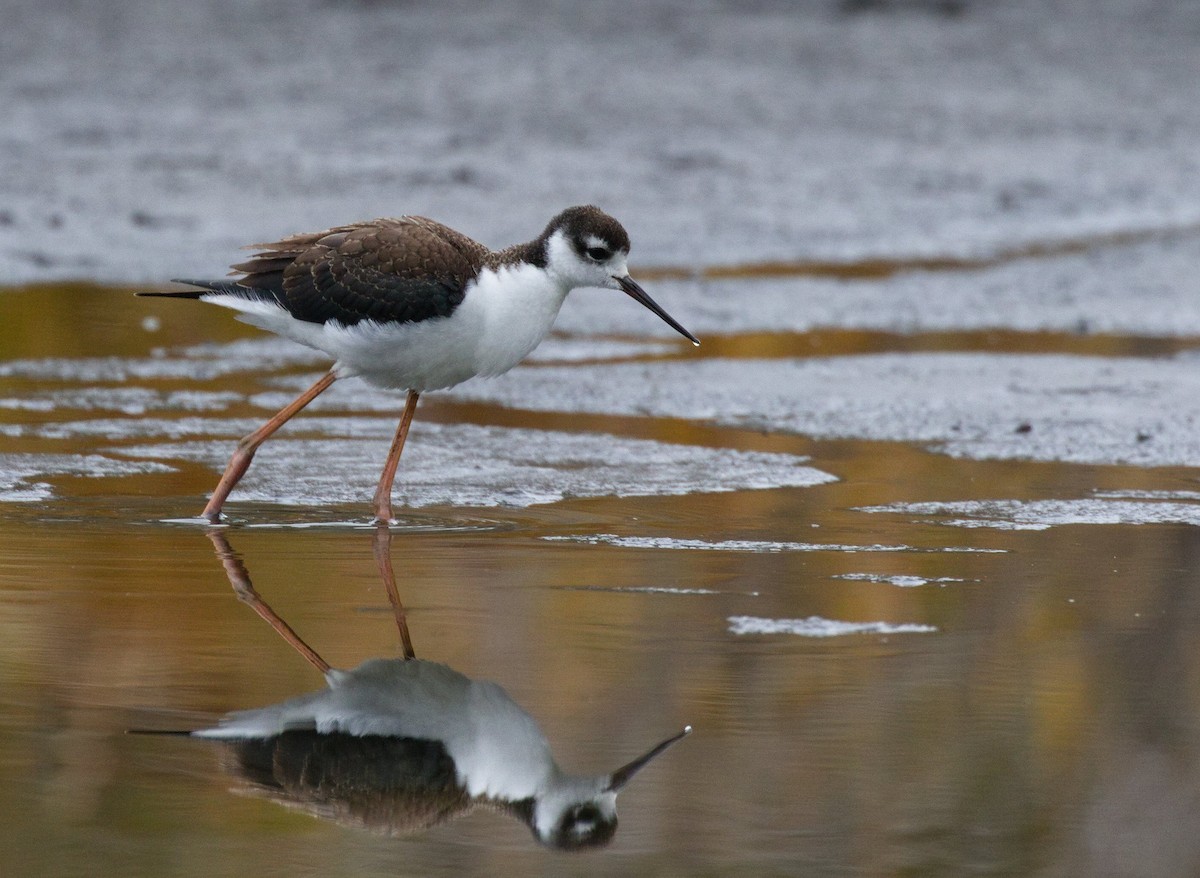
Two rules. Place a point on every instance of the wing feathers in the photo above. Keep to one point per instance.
(401, 270)
(388, 270)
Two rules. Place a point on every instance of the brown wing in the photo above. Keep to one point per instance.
(401, 270)
(377, 782)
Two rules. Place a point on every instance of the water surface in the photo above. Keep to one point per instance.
(875, 688)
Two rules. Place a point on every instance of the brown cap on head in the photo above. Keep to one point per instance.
(579, 222)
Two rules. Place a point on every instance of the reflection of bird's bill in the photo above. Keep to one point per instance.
(625, 773)
(635, 292)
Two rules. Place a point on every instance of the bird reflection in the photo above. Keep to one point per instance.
(400, 745)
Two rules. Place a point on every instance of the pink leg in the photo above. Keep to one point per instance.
(240, 462)
(239, 578)
(383, 494)
(383, 558)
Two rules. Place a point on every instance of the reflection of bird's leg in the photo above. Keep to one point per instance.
(383, 557)
(247, 445)
(239, 578)
(383, 493)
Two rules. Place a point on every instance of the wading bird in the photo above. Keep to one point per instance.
(410, 304)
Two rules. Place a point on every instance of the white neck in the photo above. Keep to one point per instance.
(515, 307)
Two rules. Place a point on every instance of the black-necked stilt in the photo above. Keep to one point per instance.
(398, 745)
(409, 303)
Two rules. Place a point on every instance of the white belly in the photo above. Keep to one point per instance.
(503, 316)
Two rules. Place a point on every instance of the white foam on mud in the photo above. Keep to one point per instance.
(1148, 495)
(119, 429)
(767, 546)
(467, 465)
(973, 405)
(816, 626)
(1044, 514)
(22, 475)
(899, 580)
(126, 400)
(193, 363)
(651, 589)
(98, 370)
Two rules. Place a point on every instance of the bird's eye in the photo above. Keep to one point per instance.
(598, 253)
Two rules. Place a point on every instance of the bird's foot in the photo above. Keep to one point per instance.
(383, 514)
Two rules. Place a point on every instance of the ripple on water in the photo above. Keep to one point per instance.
(1167, 507)
(815, 626)
(899, 580)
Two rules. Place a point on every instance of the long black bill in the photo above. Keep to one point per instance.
(630, 286)
(622, 775)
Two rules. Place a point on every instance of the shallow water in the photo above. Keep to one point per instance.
(902, 661)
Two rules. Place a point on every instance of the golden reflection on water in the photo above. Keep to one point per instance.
(1047, 727)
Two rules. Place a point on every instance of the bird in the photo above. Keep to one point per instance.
(397, 745)
(408, 303)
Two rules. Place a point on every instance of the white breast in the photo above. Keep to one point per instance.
(514, 308)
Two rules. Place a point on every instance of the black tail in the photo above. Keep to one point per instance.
(186, 294)
(206, 287)
(181, 732)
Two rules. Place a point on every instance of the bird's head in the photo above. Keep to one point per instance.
(574, 813)
(585, 247)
